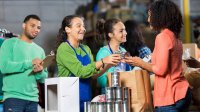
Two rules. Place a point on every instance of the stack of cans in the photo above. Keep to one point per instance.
(117, 98)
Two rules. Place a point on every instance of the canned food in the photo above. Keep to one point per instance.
(125, 106)
(101, 107)
(126, 93)
(93, 107)
(87, 107)
(110, 95)
(115, 82)
(118, 106)
(110, 107)
(118, 93)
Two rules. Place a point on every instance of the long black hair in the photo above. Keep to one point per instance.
(134, 38)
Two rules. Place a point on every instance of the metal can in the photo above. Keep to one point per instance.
(125, 106)
(110, 107)
(110, 95)
(93, 107)
(118, 93)
(101, 107)
(87, 107)
(118, 106)
(126, 93)
(115, 82)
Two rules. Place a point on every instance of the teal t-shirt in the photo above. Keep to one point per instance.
(102, 53)
(16, 64)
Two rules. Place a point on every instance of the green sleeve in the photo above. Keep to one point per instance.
(7, 65)
(43, 74)
(68, 62)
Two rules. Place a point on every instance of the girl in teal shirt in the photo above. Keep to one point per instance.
(115, 34)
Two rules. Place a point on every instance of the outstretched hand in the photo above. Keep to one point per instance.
(134, 61)
(113, 59)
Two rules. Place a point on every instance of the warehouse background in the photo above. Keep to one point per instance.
(12, 13)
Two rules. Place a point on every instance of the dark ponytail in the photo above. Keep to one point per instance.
(105, 27)
(100, 32)
(62, 35)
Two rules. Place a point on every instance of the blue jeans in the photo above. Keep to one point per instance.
(180, 106)
(19, 105)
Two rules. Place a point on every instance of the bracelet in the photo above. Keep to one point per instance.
(102, 63)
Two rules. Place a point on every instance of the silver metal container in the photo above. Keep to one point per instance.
(101, 107)
(126, 95)
(110, 107)
(125, 106)
(115, 82)
(94, 107)
(118, 93)
(87, 107)
(110, 94)
(118, 106)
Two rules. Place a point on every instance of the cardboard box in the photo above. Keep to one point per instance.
(62, 94)
(192, 48)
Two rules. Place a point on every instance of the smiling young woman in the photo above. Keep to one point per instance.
(75, 59)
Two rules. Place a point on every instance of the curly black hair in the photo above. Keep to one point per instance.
(165, 14)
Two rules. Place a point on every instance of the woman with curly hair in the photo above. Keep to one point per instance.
(171, 89)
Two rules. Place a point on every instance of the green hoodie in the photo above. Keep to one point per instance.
(16, 65)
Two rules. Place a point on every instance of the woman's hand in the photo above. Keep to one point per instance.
(134, 61)
(113, 59)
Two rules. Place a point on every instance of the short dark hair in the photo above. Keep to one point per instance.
(166, 14)
(33, 16)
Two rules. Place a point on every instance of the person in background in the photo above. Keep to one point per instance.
(75, 59)
(4, 35)
(192, 62)
(1, 81)
(135, 42)
(21, 63)
(1, 41)
(115, 34)
(171, 89)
